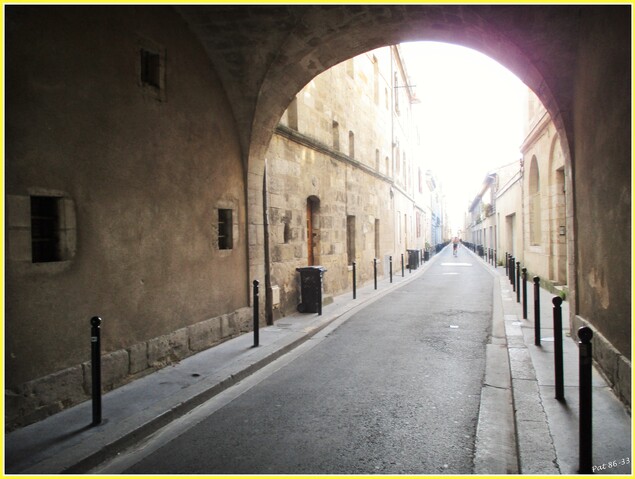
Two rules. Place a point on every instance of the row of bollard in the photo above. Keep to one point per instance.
(95, 334)
(585, 350)
(585, 336)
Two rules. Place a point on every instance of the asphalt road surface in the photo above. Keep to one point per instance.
(393, 390)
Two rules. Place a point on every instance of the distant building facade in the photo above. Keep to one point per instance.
(521, 208)
(345, 179)
(155, 240)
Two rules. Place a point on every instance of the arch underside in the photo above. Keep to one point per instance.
(276, 50)
(566, 54)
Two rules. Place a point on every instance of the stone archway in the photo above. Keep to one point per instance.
(575, 58)
(322, 36)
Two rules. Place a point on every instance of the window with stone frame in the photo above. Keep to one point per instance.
(225, 229)
(535, 216)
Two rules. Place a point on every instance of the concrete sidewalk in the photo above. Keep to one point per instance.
(546, 430)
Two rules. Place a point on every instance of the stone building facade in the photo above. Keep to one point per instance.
(155, 240)
(345, 180)
(144, 129)
(521, 209)
(125, 199)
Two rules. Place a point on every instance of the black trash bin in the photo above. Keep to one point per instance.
(310, 288)
(413, 258)
(426, 256)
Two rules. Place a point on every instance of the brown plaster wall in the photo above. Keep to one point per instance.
(602, 173)
(145, 178)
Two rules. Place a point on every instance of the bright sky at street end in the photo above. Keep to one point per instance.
(471, 117)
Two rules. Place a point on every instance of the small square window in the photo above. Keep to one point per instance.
(225, 227)
(45, 229)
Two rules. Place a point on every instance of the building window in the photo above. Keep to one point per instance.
(336, 136)
(377, 240)
(351, 144)
(45, 229)
(405, 169)
(377, 159)
(396, 89)
(225, 228)
(350, 239)
(350, 68)
(375, 80)
(150, 68)
(535, 230)
(292, 114)
(286, 232)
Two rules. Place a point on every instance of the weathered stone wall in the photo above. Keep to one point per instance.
(339, 187)
(141, 171)
(345, 145)
(602, 170)
(546, 257)
(41, 397)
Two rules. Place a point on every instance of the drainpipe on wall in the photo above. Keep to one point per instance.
(265, 219)
(392, 147)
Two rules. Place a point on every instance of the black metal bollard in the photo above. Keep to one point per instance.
(585, 334)
(354, 280)
(319, 308)
(403, 271)
(95, 366)
(390, 259)
(524, 293)
(557, 346)
(518, 281)
(537, 310)
(512, 273)
(495, 259)
(375, 271)
(256, 313)
(507, 264)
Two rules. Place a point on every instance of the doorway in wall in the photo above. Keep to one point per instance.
(510, 221)
(313, 230)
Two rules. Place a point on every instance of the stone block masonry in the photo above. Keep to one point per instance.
(42, 397)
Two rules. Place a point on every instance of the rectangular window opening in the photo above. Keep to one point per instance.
(225, 227)
(150, 68)
(45, 229)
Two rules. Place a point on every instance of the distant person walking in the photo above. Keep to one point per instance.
(455, 245)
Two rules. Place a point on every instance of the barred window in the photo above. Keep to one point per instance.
(225, 227)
